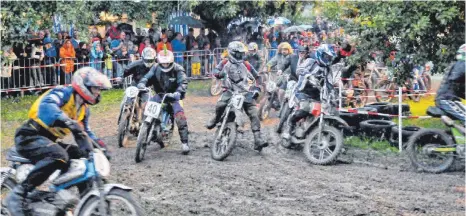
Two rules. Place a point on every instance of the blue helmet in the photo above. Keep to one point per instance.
(325, 54)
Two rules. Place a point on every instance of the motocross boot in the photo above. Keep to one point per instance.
(185, 148)
(259, 143)
(17, 203)
(213, 121)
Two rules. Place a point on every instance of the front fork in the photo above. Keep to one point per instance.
(225, 119)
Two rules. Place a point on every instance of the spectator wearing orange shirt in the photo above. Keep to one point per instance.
(164, 43)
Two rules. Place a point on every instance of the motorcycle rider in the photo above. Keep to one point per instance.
(452, 89)
(237, 73)
(55, 114)
(138, 69)
(169, 78)
(309, 76)
(253, 56)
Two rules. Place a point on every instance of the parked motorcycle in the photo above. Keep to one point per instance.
(99, 198)
(157, 126)
(435, 150)
(320, 132)
(130, 115)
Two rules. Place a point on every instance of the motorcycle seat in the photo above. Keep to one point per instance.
(435, 112)
(14, 156)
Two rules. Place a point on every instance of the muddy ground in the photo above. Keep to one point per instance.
(274, 182)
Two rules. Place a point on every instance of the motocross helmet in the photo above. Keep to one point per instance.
(236, 52)
(87, 77)
(461, 53)
(165, 57)
(148, 56)
(325, 54)
(253, 47)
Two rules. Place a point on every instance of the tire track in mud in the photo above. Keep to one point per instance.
(272, 182)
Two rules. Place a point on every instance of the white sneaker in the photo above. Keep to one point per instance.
(185, 148)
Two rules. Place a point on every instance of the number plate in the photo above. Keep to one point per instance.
(237, 101)
(152, 109)
(132, 92)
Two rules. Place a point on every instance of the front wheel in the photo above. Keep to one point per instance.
(215, 87)
(224, 142)
(120, 202)
(123, 131)
(421, 150)
(142, 141)
(327, 150)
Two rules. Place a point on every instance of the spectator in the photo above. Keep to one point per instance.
(134, 54)
(146, 43)
(41, 36)
(66, 35)
(273, 47)
(82, 53)
(207, 59)
(8, 57)
(57, 43)
(190, 39)
(164, 44)
(96, 56)
(67, 54)
(108, 70)
(138, 36)
(95, 34)
(113, 32)
(37, 55)
(123, 59)
(170, 35)
(75, 41)
(117, 43)
(217, 44)
(294, 43)
(155, 34)
(178, 48)
(201, 38)
(257, 37)
(212, 36)
(50, 59)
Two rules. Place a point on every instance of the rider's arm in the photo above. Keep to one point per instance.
(218, 70)
(181, 80)
(88, 130)
(129, 69)
(458, 72)
(148, 76)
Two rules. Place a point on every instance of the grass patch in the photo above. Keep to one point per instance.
(366, 143)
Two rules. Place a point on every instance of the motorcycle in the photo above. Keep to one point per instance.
(320, 132)
(157, 126)
(98, 198)
(435, 150)
(287, 105)
(130, 115)
(270, 99)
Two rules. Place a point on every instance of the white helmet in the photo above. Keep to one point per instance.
(166, 57)
(148, 56)
(236, 51)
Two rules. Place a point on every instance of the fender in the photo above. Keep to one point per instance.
(96, 193)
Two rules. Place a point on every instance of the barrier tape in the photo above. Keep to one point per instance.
(381, 114)
(43, 87)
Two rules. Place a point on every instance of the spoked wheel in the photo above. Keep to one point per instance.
(143, 140)
(168, 133)
(119, 202)
(385, 96)
(123, 131)
(225, 143)
(421, 152)
(327, 150)
(215, 87)
(264, 108)
(7, 187)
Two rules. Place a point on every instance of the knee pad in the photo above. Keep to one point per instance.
(180, 119)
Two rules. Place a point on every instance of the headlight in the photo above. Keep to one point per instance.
(131, 92)
(102, 166)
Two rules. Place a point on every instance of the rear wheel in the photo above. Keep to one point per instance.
(142, 141)
(327, 150)
(224, 143)
(421, 150)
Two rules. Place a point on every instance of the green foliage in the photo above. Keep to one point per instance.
(428, 30)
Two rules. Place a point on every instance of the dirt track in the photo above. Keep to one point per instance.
(275, 182)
